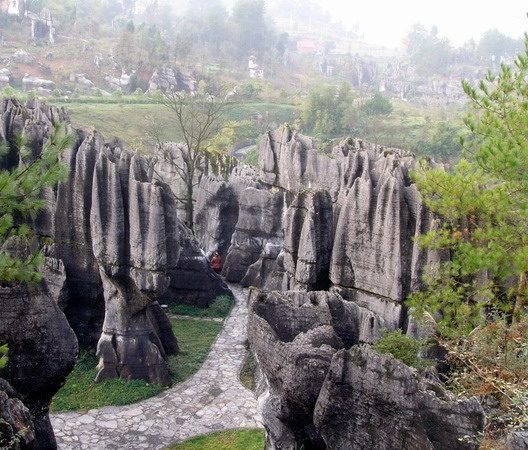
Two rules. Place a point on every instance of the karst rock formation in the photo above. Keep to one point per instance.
(113, 235)
(327, 238)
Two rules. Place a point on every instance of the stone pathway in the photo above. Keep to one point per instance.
(213, 399)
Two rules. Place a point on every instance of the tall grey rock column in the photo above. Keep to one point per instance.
(135, 240)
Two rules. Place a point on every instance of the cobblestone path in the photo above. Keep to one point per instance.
(212, 399)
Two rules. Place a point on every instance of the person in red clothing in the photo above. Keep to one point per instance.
(216, 262)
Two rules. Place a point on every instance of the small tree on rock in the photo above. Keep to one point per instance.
(197, 118)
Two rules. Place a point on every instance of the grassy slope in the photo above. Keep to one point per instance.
(408, 124)
(81, 392)
(128, 122)
(225, 440)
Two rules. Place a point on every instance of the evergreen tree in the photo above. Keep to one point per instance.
(483, 203)
(325, 110)
(20, 201)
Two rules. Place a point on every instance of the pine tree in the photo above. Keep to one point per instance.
(483, 205)
(20, 201)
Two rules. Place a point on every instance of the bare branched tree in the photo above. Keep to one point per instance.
(197, 119)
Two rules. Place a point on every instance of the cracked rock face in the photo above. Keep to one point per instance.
(322, 387)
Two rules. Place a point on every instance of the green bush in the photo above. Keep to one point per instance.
(4, 353)
(377, 106)
(404, 348)
(8, 91)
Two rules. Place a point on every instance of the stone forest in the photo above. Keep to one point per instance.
(292, 253)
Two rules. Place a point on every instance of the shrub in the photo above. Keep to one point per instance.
(8, 92)
(4, 353)
(403, 347)
(493, 361)
(377, 106)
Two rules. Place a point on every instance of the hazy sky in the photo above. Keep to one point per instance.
(387, 21)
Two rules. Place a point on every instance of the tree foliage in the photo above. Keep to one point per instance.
(198, 119)
(248, 15)
(405, 348)
(325, 111)
(484, 206)
(443, 143)
(428, 52)
(495, 43)
(378, 105)
(20, 200)
(4, 354)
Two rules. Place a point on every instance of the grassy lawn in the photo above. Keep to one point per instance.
(219, 308)
(82, 392)
(225, 440)
(195, 339)
(129, 122)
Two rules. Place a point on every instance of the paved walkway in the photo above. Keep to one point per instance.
(213, 399)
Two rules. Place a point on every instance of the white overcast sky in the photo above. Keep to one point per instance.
(387, 21)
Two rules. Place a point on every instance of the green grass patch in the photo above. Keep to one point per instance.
(224, 440)
(220, 308)
(80, 391)
(129, 122)
(195, 339)
(247, 373)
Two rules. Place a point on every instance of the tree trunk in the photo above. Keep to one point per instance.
(521, 301)
(189, 207)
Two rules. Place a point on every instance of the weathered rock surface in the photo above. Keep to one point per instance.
(168, 78)
(134, 233)
(42, 351)
(16, 427)
(319, 389)
(259, 223)
(216, 215)
(517, 440)
(375, 401)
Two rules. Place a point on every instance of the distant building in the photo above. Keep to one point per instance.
(13, 7)
(254, 70)
(42, 25)
(307, 46)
